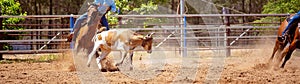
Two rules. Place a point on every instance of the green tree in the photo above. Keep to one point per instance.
(129, 5)
(10, 7)
(281, 6)
(277, 7)
(142, 7)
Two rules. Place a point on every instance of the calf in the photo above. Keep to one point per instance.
(122, 39)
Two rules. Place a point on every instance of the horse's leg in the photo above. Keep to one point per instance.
(292, 46)
(130, 59)
(290, 50)
(78, 41)
(76, 32)
(287, 57)
(274, 51)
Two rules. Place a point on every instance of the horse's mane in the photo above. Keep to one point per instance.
(92, 4)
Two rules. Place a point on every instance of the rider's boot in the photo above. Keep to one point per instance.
(281, 38)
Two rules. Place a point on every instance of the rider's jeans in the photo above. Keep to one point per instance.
(294, 19)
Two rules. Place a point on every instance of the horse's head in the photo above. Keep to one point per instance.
(147, 42)
(93, 14)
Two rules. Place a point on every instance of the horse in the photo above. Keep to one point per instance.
(88, 30)
(281, 47)
(83, 36)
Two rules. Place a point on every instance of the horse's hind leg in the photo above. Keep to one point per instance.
(289, 51)
(287, 57)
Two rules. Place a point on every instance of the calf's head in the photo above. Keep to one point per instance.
(147, 42)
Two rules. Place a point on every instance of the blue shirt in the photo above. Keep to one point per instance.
(298, 12)
(110, 3)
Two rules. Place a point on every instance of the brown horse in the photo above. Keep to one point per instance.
(282, 48)
(84, 35)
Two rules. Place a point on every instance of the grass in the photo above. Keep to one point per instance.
(48, 58)
(42, 58)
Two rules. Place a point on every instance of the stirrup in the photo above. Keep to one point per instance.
(281, 38)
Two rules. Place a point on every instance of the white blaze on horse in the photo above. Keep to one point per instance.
(123, 40)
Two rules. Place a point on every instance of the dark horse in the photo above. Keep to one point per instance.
(83, 37)
(282, 48)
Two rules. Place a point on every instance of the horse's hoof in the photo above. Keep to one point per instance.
(282, 67)
(276, 68)
(131, 68)
(88, 65)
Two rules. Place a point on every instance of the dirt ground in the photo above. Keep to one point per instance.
(21, 69)
(244, 66)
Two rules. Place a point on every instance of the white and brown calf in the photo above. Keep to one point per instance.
(123, 40)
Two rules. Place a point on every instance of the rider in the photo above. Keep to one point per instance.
(294, 19)
(104, 7)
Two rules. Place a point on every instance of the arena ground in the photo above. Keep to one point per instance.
(244, 66)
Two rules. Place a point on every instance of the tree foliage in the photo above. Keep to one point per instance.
(142, 7)
(139, 5)
(10, 7)
(281, 6)
(277, 7)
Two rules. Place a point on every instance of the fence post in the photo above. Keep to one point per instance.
(184, 36)
(183, 40)
(1, 44)
(227, 33)
(71, 22)
(71, 29)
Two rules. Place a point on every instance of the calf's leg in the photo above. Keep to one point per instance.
(123, 57)
(99, 59)
(96, 46)
(130, 59)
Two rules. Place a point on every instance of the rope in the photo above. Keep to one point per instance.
(49, 41)
(165, 39)
(236, 39)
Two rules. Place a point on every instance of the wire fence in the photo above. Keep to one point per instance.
(47, 33)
